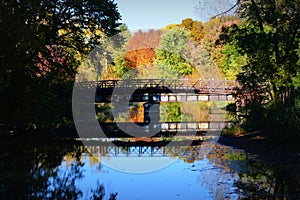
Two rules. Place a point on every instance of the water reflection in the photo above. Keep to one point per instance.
(37, 169)
(33, 169)
(256, 179)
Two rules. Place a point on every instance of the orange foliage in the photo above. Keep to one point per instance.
(141, 48)
(139, 57)
(196, 28)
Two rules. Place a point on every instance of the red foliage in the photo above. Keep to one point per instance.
(52, 60)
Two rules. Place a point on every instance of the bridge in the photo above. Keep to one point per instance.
(163, 90)
(152, 92)
(205, 86)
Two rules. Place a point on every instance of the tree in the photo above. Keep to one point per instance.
(118, 67)
(213, 9)
(273, 29)
(187, 23)
(42, 45)
(230, 61)
(107, 60)
(194, 27)
(225, 57)
(171, 50)
(141, 48)
(197, 31)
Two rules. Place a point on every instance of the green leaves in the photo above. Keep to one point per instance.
(171, 50)
(267, 39)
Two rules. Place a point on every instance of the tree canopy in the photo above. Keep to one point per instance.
(269, 37)
(141, 48)
(41, 46)
(170, 52)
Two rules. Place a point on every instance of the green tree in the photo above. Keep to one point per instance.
(230, 61)
(171, 50)
(107, 60)
(268, 37)
(42, 42)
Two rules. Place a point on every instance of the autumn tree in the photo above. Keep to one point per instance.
(187, 23)
(194, 27)
(197, 32)
(141, 48)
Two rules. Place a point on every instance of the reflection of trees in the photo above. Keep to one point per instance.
(170, 112)
(176, 112)
(254, 178)
(99, 193)
(29, 170)
(260, 180)
(104, 113)
(61, 185)
(191, 154)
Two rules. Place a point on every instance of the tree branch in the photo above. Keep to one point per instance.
(230, 9)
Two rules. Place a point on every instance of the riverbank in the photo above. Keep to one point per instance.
(283, 156)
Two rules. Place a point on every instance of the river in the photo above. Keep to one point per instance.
(43, 168)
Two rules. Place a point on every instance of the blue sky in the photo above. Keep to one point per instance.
(143, 14)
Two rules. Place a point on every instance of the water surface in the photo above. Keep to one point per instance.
(59, 169)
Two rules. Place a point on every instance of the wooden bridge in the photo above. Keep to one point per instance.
(176, 90)
(152, 92)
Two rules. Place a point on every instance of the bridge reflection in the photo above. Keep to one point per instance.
(173, 150)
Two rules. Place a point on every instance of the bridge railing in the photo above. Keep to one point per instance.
(188, 84)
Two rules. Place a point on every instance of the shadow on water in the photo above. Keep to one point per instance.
(30, 168)
(37, 168)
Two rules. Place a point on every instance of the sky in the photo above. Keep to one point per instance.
(145, 14)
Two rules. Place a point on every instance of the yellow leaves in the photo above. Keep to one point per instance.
(99, 32)
(171, 26)
(62, 32)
